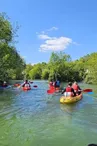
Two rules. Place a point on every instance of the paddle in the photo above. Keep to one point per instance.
(87, 90)
(53, 90)
(35, 86)
(31, 82)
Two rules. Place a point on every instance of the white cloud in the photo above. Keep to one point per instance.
(44, 36)
(47, 30)
(53, 28)
(55, 44)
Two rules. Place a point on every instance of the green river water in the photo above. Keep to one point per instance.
(34, 118)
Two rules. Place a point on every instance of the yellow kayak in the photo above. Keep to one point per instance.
(64, 99)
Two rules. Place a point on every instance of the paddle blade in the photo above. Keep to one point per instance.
(50, 91)
(87, 90)
(31, 82)
(35, 86)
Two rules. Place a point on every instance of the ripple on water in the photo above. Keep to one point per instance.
(38, 119)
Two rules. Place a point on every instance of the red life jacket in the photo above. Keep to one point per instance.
(68, 89)
(75, 87)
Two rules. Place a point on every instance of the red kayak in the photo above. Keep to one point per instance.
(26, 88)
(51, 87)
(57, 89)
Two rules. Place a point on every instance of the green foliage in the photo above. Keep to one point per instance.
(36, 72)
(27, 70)
(11, 63)
(45, 74)
(59, 57)
(6, 32)
(60, 66)
(91, 68)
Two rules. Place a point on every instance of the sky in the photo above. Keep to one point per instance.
(53, 25)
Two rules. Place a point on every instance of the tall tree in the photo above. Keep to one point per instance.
(10, 60)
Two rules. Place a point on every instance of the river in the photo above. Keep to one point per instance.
(34, 118)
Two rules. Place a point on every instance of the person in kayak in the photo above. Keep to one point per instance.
(26, 84)
(76, 88)
(5, 84)
(57, 84)
(51, 83)
(69, 91)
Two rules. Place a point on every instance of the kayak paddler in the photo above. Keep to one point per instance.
(69, 91)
